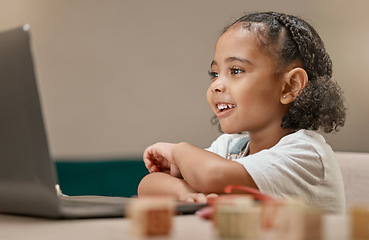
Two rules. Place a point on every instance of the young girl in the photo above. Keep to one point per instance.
(271, 77)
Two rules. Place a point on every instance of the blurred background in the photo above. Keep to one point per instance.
(118, 75)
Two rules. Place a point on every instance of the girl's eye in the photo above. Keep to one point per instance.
(213, 74)
(236, 71)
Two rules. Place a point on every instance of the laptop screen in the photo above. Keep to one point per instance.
(27, 175)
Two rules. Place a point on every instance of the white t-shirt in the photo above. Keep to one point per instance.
(300, 164)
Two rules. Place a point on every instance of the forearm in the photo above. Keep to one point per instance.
(208, 172)
(164, 184)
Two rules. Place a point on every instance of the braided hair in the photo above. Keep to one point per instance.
(289, 39)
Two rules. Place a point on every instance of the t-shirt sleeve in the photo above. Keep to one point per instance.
(283, 171)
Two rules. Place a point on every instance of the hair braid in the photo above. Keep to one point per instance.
(316, 61)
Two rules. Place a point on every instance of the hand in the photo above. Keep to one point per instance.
(159, 158)
(197, 197)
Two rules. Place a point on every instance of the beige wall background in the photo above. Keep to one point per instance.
(118, 75)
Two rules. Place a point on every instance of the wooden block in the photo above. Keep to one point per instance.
(268, 215)
(313, 226)
(336, 227)
(359, 222)
(237, 217)
(151, 216)
(283, 219)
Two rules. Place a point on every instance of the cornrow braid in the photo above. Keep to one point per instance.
(288, 39)
(316, 60)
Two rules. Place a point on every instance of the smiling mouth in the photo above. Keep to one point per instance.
(223, 107)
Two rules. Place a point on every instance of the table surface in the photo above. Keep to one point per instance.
(184, 227)
(18, 227)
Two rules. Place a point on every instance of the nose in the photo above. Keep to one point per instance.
(218, 86)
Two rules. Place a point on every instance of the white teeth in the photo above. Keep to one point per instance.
(223, 106)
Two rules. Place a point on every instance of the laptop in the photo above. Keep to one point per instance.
(27, 172)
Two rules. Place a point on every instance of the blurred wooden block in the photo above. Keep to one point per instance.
(359, 222)
(290, 219)
(313, 226)
(237, 217)
(151, 216)
(336, 227)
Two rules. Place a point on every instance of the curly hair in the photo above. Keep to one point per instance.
(288, 39)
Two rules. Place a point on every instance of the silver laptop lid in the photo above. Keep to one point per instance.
(27, 175)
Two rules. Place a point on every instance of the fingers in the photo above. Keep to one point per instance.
(147, 158)
(196, 197)
(189, 199)
(212, 195)
(156, 155)
(154, 169)
(201, 198)
(150, 159)
(154, 158)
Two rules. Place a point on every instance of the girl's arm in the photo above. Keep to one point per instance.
(160, 183)
(208, 172)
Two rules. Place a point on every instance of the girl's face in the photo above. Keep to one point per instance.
(245, 92)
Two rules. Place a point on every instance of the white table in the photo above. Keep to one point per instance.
(187, 227)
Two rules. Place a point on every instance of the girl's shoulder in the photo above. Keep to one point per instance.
(305, 137)
(305, 141)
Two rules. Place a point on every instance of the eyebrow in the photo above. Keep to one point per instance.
(232, 59)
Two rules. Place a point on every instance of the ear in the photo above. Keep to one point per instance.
(293, 83)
